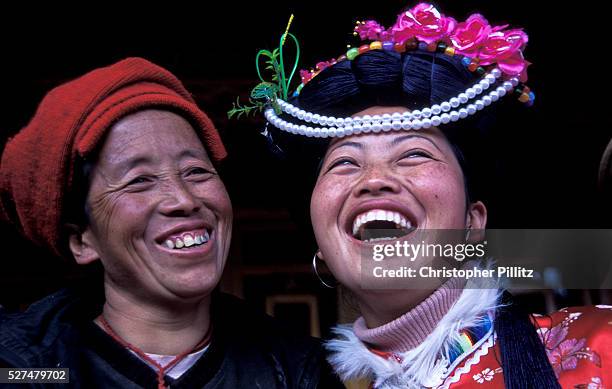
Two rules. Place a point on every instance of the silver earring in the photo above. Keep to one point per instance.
(467, 233)
(314, 267)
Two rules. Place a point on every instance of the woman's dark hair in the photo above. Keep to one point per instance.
(415, 80)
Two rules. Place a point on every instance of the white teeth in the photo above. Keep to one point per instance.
(382, 215)
(206, 236)
(179, 243)
(199, 239)
(188, 239)
(169, 244)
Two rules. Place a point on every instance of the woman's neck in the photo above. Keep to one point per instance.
(162, 329)
(400, 323)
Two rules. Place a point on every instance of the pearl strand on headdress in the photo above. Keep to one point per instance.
(339, 127)
(436, 109)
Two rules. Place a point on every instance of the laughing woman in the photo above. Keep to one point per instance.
(119, 167)
(392, 115)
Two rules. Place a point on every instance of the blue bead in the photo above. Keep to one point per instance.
(387, 46)
(531, 96)
(422, 46)
(466, 61)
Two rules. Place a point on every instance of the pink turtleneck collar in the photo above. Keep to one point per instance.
(409, 330)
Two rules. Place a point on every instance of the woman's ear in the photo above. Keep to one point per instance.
(476, 216)
(82, 244)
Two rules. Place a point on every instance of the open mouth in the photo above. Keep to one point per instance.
(187, 240)
(379, 225)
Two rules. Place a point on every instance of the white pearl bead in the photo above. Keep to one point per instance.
(486, 100)
(302, 130)
(396, 116)
(501, 91)
(332, 122)
(348, 122)
(494, 96)
(345, 130)
(454, 102)
(416, 124)
(366, 128)
(491, 78)
(376, 127)
(386, 126)
(445, 118)
(340, 122)
(416, 114)
(406, 124)
(426, 123)
(479, 105)
(308, 117)
(386, 117)
(315, 131)
(507, 85)
(366, 118)
(436, 120)
(484, 84)
(426, 112)
(396, 125)
(471, 109)
(470, 92)
(463, 98)
(463, 113)
(514, 81)
(357, 128)
(445, 106)
(435, 109)
(300, 114)
(376, 118)
(454, 116)
(406, 115)
(315, 118)
(477, 89)
(496, 72)
(349, 131)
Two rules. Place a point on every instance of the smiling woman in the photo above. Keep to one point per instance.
(119, 167)
(394, 117)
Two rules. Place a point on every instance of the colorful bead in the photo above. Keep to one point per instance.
(388, 46)
(422, 46)
(472, 66)
(352, 53)
(450, 51)
(524, 98)
(531, 96)
(441, 47)
(341, 58)
(362, 49)
(480, 71)
(399, 47)
(431, 47)
(466, 61)
(376, 45)
(412, 44)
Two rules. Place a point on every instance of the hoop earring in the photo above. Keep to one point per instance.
(314, 267)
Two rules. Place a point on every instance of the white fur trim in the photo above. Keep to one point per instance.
(427, 365)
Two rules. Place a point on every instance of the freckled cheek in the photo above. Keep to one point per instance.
(441, 191)
(326, 202)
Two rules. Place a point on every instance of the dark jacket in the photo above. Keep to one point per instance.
(248, 349)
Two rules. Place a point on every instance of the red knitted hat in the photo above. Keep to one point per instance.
(36, 172)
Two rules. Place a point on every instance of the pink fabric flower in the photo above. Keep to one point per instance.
(424, 22)
(505, 48)
(470, 35)
(370, 29)
(305, 75)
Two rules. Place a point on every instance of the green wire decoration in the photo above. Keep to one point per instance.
(266, 92)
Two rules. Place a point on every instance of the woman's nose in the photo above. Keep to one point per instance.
(377, 182)
(178, 199)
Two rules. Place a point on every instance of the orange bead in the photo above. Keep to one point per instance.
(449, 51)
(432, 47)
(524, 98)
(364, 48)
(472, 66)
(399, 47)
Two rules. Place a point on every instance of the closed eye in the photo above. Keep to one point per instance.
(341, 162)
(140, 180)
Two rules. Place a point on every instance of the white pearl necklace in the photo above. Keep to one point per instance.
(431, 116)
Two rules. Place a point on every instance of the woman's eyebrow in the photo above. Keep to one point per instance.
(346, 144)
(400, 139)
